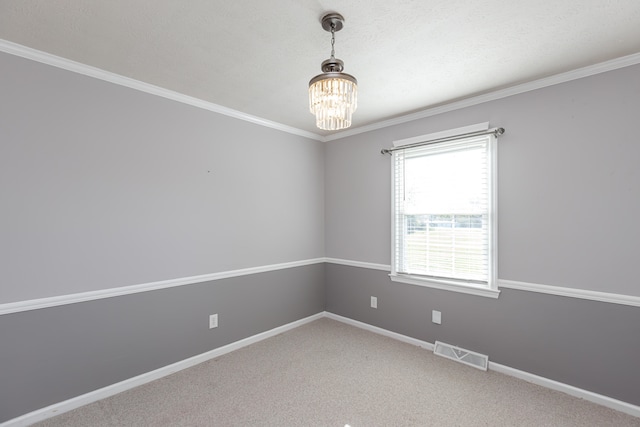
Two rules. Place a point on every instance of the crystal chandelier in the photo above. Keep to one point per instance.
(333, 95)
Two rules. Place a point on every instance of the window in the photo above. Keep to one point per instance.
(444, 214)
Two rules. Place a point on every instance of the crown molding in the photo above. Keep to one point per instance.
(87, 70)
(568, 76)
(76, 67)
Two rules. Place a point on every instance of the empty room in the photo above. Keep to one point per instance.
(319, 213)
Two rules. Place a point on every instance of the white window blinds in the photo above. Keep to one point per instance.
(443, 211)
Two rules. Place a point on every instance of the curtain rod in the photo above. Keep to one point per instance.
(495, 131)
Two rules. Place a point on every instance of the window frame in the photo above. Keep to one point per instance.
(491, 288)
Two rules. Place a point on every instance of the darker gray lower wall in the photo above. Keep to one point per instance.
(54, 354)
(588, 344)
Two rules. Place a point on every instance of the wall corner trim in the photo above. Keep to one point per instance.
(35, 304)
(523, 286)
(571, 292)
(360, 264)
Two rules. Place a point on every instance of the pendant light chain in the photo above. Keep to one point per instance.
(333, 41)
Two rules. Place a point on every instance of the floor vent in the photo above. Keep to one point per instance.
(461, 355)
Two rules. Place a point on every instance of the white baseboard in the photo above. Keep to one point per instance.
(609, 402)
(424, 344)
(85, 399)
(599, 399)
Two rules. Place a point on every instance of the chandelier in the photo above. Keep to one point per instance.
(333, 95)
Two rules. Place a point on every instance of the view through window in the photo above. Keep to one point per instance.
(443, 211)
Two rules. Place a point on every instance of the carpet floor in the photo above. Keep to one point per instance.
(327, 373)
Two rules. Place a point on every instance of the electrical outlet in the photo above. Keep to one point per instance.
(213, 321)
(436, 317)
(374, 302)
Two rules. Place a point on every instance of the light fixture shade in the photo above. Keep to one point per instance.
(333, 97)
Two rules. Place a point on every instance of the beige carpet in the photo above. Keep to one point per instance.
(327, 373)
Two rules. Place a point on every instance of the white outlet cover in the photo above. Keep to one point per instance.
(374, 302)
(436, 317)
(213, 321)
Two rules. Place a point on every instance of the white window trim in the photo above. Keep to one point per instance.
(491, 290)
(446, 285)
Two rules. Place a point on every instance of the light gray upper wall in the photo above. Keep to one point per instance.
(568, 184)
(103, 186)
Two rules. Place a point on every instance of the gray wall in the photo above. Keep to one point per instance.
(104, 186)
(568, 183)
(54, 354)
(568, 204)
(587, 344)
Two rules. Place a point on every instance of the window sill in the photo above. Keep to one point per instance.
(446, 285)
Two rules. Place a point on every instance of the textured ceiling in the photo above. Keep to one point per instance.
(257, 56)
